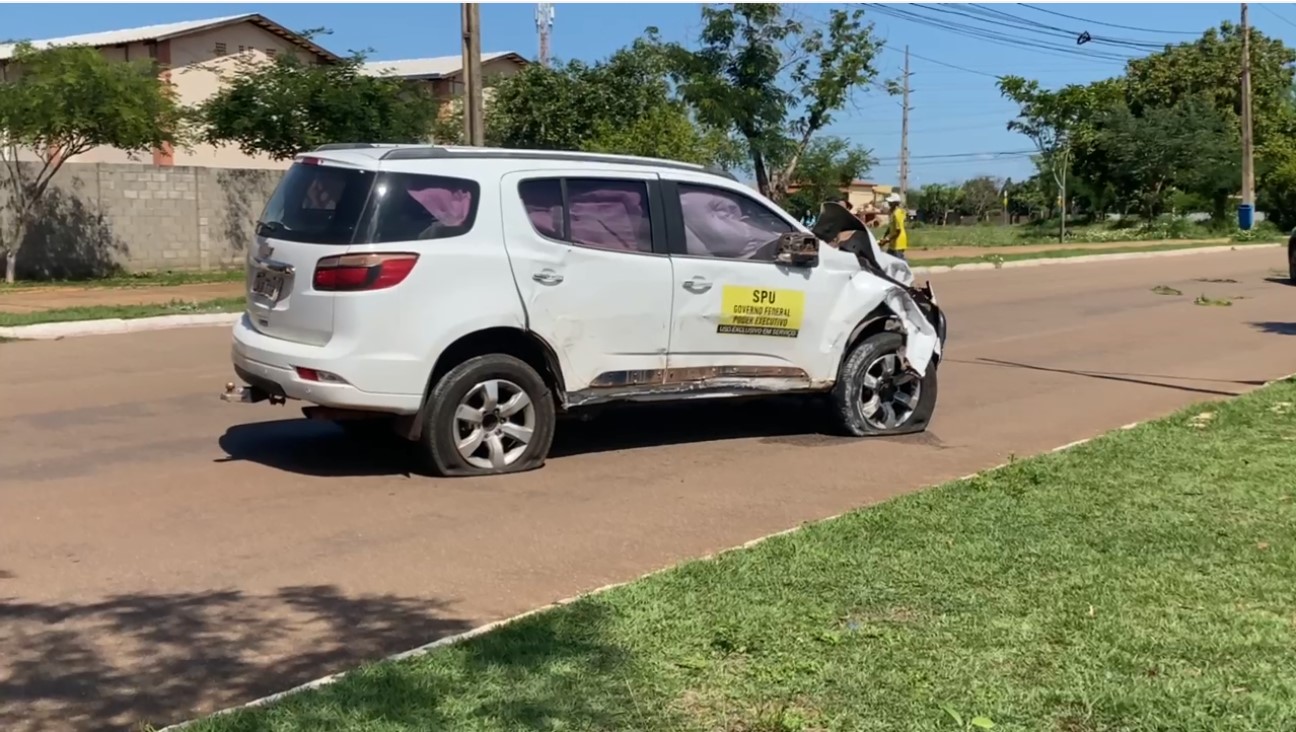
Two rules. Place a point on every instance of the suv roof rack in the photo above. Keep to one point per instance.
(426, 152)
(343, 146)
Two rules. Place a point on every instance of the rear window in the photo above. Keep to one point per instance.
(320, 204)
(323, 204)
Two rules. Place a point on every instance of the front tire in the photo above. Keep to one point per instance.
(489, 415)
(1291, 261)
(874, 395)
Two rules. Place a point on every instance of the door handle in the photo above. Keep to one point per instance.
(547, 277)
(697, 285)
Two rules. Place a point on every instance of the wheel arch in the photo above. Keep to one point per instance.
(879, 320)
(522, 344)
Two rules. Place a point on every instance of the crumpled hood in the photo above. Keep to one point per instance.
(837, 226)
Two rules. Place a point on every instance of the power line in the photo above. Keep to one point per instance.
(996, 18)
(956, 67)
(1275, 14)
(987, 156)
(997, 37)
(1070, 68)
(1109, 25)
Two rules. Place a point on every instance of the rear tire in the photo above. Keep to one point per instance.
(489, 415)
(1291, 262)
(873, 396)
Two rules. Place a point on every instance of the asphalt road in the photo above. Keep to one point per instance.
(163, 554)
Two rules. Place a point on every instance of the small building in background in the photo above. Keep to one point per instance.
(443, 75)
(198, 56)
(195, 56)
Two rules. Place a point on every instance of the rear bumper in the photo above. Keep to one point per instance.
(270, 365)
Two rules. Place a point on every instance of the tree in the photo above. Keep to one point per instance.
(1057, 122)
(1189, 147)
(936, 201)
(981, 195)
(620, 105)
(60, 102)
(1027, 199)
(736, 80)
(828, 167)
(665, 132)
(289, 105)
(1208, 69)
(1186, 147)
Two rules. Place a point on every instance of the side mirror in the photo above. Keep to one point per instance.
(796, 249)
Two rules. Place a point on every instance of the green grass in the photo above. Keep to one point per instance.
(917, 259)
(142, 279)
(1143, 581)
(100, 312)
(941, 237)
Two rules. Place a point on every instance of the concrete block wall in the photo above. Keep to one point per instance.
(98, 217)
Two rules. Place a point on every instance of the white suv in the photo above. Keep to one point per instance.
(467, 297)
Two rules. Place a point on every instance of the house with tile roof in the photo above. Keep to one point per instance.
(197, 57)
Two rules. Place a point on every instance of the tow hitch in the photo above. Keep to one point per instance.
(248, 395)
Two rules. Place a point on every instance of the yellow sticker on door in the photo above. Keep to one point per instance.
(761, 311)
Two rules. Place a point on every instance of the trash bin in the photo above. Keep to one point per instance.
(1246, 216)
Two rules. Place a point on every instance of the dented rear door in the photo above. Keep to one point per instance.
(587, 249)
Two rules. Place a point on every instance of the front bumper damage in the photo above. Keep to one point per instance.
(920, 317)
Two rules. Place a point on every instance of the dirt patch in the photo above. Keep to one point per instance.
(36, 300)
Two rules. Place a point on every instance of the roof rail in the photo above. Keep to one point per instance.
(432, 152)
(343, 146)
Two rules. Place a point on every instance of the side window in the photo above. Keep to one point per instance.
(542, 198)
(729, 225)
(609, 214)
(410, 207)
(600, 213)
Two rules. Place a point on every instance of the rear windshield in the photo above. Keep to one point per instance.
(323, 204)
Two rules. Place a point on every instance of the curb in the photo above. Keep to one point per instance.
(115, 326)
(488, 627)
(1086, 258)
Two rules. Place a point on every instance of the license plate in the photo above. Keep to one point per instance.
(267, 284)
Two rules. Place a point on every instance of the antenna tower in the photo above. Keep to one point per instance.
(544, 23)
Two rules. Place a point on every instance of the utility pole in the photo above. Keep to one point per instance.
(904, 133)
(544, 24)
(1062, 150)
(474, 119)
(1248, 159)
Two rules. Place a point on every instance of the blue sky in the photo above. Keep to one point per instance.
(955, 112)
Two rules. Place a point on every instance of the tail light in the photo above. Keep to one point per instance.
(354, 272)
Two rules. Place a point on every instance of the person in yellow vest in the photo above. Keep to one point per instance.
(896, 240)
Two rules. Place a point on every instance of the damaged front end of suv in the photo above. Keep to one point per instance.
(837, 226)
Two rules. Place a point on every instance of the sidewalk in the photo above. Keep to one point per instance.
(38, 299)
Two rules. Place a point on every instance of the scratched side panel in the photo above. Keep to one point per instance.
(601, 310)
